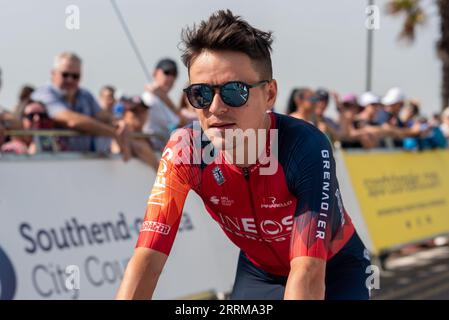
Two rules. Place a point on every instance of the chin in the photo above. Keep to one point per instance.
(219, 144)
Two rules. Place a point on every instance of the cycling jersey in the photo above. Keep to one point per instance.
(295, 211)
(345, 277)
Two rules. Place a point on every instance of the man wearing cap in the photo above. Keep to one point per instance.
(164, 115)
(394, 101)
(321, 106)
(371, 107)
(382, 123)
(326, 124)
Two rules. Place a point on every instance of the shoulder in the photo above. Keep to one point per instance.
(47, 90)
(188, 136)
(296, 135)
(87, 95)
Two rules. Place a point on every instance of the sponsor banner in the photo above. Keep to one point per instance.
(403, 197)
(68, 229)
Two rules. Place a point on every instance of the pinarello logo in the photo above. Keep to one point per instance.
(7, 277)
(271, 202)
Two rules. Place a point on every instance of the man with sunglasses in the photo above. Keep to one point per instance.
(75, 108)
(286, 214)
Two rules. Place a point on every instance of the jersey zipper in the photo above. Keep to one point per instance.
(253, 212)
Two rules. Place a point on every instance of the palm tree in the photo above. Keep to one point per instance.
(414, 16)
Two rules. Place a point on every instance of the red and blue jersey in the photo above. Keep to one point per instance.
(295, 210)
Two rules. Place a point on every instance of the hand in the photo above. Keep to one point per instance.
(123, 138)
(335, 96)
(415, 129)
(369, 141)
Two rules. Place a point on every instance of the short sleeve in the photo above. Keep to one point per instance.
(319, 209)
(51, 99)
(166, 201)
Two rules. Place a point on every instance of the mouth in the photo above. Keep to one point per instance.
(222, 125)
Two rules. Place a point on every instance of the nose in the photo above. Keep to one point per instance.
(217, 106)
(69, 80)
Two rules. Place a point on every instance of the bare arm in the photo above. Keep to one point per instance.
(144, 152)
(83, 123)
(306, 279)
(9, 121)
(105, 117)
(141, 275)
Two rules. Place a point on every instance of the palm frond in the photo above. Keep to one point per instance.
(414, 16)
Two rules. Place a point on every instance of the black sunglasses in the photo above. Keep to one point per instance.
(74, 76)
(42, 115)
(170, 73)
(313, 99)
(233, 93)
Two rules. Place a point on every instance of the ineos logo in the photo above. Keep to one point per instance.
(8, 280)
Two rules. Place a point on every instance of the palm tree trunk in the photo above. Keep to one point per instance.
(443, 50)
(445, 86)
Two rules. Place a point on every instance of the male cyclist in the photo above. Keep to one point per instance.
(283, 210)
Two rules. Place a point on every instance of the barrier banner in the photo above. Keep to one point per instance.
(403, 197)
(68, 229)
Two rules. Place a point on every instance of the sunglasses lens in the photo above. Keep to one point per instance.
(170, 73)
(200, 96)
(74, 76)
(42, 115)
(235, 94)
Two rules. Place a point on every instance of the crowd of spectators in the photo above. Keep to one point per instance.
(139, 126)
(370, 121)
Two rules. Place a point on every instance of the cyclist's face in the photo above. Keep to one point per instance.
(219, 67)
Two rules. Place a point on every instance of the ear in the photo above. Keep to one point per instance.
(272, 90)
